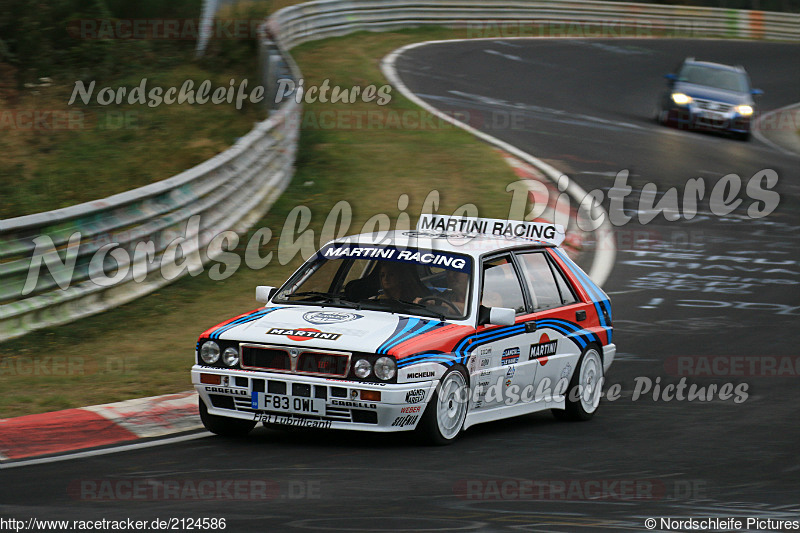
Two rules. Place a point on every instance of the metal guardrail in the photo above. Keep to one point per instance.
(235, 188)
(230, 191)
(329, 18)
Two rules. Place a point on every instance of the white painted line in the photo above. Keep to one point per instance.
(606, 247)
(104, 451)
(501, 54)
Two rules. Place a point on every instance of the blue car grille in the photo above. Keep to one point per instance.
(713, 106)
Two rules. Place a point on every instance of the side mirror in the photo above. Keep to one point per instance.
(502, 316)
(671, 78)
(496, 316)
(264, 293)
(756, 92)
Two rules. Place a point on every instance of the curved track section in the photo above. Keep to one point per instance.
(722, 289)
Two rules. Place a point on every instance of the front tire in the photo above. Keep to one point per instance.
(446, 411)
(224, 426)
(583, 398)
(742, 136)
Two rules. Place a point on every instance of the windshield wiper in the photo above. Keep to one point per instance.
(326, 296)
(403, 305)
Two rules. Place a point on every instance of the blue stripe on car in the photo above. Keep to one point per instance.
(255, 315)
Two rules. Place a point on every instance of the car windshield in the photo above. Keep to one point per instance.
(727, 80)
(399, 280)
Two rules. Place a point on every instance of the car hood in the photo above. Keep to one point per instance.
(325, 327)
(709, 93)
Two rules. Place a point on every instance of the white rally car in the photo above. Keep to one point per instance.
(459, 322)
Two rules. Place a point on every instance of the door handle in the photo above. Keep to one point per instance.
(530, 327)
(580, 315)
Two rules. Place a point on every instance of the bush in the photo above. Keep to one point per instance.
(40, 37)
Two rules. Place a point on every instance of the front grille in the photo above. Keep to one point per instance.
(312, 362)
(222, 402)
(323, 363)
(265, 358)
(717, 107)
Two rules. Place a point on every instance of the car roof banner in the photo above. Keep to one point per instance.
(511, 229)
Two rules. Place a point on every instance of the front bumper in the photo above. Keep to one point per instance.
(695, 118)
(323, 403)
(609, 351)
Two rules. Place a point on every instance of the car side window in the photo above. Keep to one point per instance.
(501, 286)
(546, 284)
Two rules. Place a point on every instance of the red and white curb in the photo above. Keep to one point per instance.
(100, 425)
(555, 211)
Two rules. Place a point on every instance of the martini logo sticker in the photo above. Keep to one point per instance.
(544, 349)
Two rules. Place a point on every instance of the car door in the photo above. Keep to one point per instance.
(559, 335)
(502, 368)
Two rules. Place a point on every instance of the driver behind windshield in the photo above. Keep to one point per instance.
(398, 282)
(456, 291)
(401, 282)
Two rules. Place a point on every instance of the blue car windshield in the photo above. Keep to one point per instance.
(727, 80)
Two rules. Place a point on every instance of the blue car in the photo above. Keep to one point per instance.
(709, 96)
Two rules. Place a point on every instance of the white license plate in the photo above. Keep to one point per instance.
(710, 115)
(288, 404)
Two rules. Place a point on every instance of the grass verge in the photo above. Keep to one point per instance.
(146, 347)
(93, 151)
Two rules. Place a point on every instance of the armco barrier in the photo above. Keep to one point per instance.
(328, 18)
(233, 189)
(230, 191)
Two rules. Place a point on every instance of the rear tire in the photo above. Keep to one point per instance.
(224, 426)
(446, 411)
(583, 397)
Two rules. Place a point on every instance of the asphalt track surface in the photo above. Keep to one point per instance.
(586, 108)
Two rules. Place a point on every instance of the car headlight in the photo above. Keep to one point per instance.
(209, 352)
(230, 356)
(744, 110)
(385, 368)
(362, 368)
(681, 99)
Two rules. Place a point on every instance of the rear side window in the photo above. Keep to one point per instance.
(546, 284)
